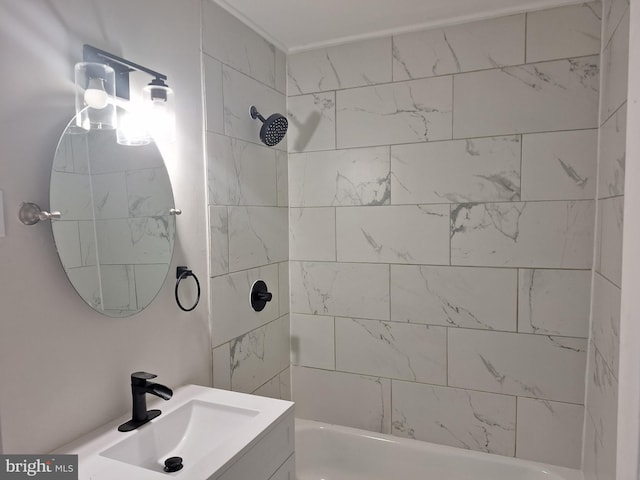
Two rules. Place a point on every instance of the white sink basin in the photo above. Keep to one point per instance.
(208, 428)
(191, 432)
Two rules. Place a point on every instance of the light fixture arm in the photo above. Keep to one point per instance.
(122, 68)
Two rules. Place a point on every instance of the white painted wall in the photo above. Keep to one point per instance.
(64, 368)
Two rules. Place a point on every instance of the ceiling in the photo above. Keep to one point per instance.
(297, 25)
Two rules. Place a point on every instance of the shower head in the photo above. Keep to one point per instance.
(273, 128)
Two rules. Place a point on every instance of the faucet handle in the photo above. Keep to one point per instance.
(142, 376)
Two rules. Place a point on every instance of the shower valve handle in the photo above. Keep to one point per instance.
(259, 295)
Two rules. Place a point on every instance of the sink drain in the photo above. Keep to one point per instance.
(173, 464)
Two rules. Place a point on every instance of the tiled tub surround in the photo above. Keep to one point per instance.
(442, 202)
(247, 196)
(599, 456)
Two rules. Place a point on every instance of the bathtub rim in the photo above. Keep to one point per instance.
(565, 472)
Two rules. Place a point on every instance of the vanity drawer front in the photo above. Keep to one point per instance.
(286, 471)
(264, 458)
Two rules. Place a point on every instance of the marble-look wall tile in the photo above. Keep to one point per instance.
(118, 287)
(459, 48)
(218, 241)
(599, 446)
(601, 420)
(232, 42)
(609, 252)
(559, 165)
(340, 178)
(136, 240)
(282, 178)
(86, 282)
(110, 194)
(534, 234)
(312, 234)
(615, 70)
(240, 173)
(345, 399)
(214, 102)
(614, 11)
(342, 289)
(231, 315)
(285, 384)
(393, 234)
(149, 278)
(454, 296)
(72, 197)
(283, 286)
(564, 32)
(518, 364)
(281, 71)
(70, 155)
(88, 242)
(612, 154)
(549, 432)
(67, 236)
(240, 94)
(312, 341)
(259, 355)
(554, 302)
(257, 236)
(107, 156)
(148, 194)
(451, 416)
(269, 389)
(557, 95)
(605, 323)
(390, 349)
(412, 111)
(312, 122)
(474, 170)
(344, 66)
(222, 367)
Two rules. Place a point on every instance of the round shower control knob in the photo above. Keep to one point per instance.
(259, 295)
(173, 464)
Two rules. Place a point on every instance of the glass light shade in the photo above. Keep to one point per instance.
(133, 128)
(160, 113)
(95, 96)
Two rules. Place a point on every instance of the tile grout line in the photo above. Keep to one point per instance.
(449, 327)
(466, 72)
(515, 430)
(521, 163)
(328, 151)
(460, 266)
(526, 22)
(518, 300)
(437, 385)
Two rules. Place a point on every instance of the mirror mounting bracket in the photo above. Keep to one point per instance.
(31, 213)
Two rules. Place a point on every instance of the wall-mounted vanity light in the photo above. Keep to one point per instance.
(103, 99)
(95, 96)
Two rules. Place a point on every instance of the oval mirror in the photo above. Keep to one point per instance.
(115, 235)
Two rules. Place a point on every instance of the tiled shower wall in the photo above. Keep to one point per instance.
(602, 379)
(247, 197)
(441, 191)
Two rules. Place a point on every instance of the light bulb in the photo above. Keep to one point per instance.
(132, 127)
(95, 95)
(159, 111)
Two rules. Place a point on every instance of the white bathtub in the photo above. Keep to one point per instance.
(331, 452)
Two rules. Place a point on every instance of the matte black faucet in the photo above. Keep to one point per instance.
(139, 389)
